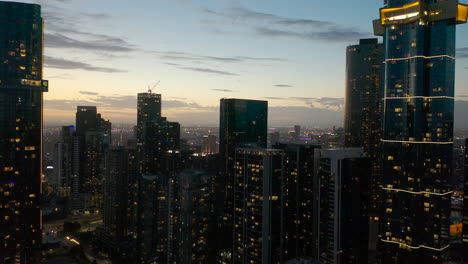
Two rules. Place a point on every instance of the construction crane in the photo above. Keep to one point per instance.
(150, 89)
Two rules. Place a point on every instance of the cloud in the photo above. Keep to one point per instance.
(334, 34)
(274, 26)
(207, 70)
(64, 64)
(115, 102)
(104, 43)
(283, 85)
(64, 76)
(88, 93)
(275, 98)
(199, 58)
(223, 90)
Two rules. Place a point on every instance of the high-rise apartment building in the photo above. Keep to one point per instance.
(344, 187)
(243, 123)
(258, 206)
(191, 216)
(119, 195)
(93, 135)
(364, 63)
(148, 109)
(21, 104)
(152, 219)
(417, 140)
(300, 198)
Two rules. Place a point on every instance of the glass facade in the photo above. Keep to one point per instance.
(93, 135)
(243, 123)
(363, 108)
(21, 88)
(418, 105)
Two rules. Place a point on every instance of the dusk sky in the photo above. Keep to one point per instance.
(291, 53)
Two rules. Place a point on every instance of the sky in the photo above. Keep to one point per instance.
(291, 53)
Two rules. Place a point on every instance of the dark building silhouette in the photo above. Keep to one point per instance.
(159, 161)
(364, 63)
(21, 103)
(152, 219)
(149, 109)
(417, 138)
(159, 136)
(191, 216)
(300, 198)
(119, 212)
(258, 205)
(93, 135)
(243, 123)
(344, 180)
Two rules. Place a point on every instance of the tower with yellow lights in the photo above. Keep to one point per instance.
(417, 138)
(21, 91)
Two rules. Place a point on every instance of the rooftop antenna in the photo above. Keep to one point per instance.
(150, 89)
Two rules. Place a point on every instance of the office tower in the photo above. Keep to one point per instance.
(465, 201)
(258, 203)
(209, 144)
(93, 135)
(364, 63)
(417, 140)
(21, 97)
(192, 219)
(344, 179)
(152, 219)
(243, 123)
(300, 198)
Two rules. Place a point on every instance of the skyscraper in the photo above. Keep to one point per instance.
(159, 136)
(119, 196)
(191, 219)
(364, 63)
(258, 206)
(344, 180)
(300, 198)
(243, 123)
(418, 106)
(149, 109)
(152, 219)
(93, 135)
(158, 152)
(21, 102)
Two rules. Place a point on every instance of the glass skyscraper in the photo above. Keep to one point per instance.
(418, 106)
(21, 89)
(243, 123)
(364, 63)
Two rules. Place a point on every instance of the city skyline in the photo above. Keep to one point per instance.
(237, 50)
